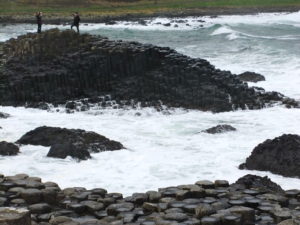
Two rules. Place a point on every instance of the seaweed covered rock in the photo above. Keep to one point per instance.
(280, 155)
(60, 66)
(7, 149)
(69, 142)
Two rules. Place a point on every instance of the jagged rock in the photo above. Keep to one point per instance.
(280, 156)
(14, 216)
(59, 66)
(69, 142)
(7, 149)
(219, 129)
(251, 77)
(4, 115)
(257, 182)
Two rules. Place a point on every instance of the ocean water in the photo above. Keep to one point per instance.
(169, 149)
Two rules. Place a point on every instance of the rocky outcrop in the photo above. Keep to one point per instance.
(251, 77)
(4, 115)
(219, 129)
(256, 182)
(57, 66)
(280, 156)
(8, 149)
(69, 142)
(204, 202)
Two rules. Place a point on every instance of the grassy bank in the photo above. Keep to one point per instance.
(116, 7)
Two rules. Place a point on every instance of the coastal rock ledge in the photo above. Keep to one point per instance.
(252, 200)
(58, 66)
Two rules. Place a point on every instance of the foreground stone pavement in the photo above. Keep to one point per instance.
(251, 200)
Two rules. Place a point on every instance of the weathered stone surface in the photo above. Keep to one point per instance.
(69, 142)
(257, 182)
(251, 77)
(32, 196)
(77, 151)
(14, 216)
(7, 149)
(219, 129)
(59, 66)
(280, 155)
(252, 200)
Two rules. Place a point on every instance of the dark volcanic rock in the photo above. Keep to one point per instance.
(219, 129)
(63, 150)
(251, 77)
(58, 66)
(69, 142)
(280, 155)
(4, 115)
(257, 182)
(7, 148)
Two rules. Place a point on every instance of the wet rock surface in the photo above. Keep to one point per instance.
(251, 77)
(204, 202)
(69, 142)
(7, 149)
(59, 66)
(280, 155)
(219, 129)
(14, 216)
(4, 115)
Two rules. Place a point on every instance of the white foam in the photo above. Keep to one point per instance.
(161, 150)
(167, 150)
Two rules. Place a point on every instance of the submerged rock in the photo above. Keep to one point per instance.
(280, 156)
(251, 77)
(7, 149)
(219, 129)
(69, 142)
(59, 66)
(4, 115)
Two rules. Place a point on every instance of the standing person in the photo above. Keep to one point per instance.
(38, 16)
(76, 21)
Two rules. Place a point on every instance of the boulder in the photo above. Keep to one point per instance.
(14, 216)
(69, 142)
(7, 149)
(219, 129)
(60, 66)
(74, 150)
(251, 77)
(4, 115)
(256, 182)
(280, 155)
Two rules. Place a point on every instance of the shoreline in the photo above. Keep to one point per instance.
(212, 12)
(250, 200)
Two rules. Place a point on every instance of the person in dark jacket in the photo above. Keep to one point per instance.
(76, 21)
(38, 16)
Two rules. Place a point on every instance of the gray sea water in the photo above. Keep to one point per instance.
(168, 150)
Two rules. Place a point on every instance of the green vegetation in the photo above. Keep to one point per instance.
(115, 7)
